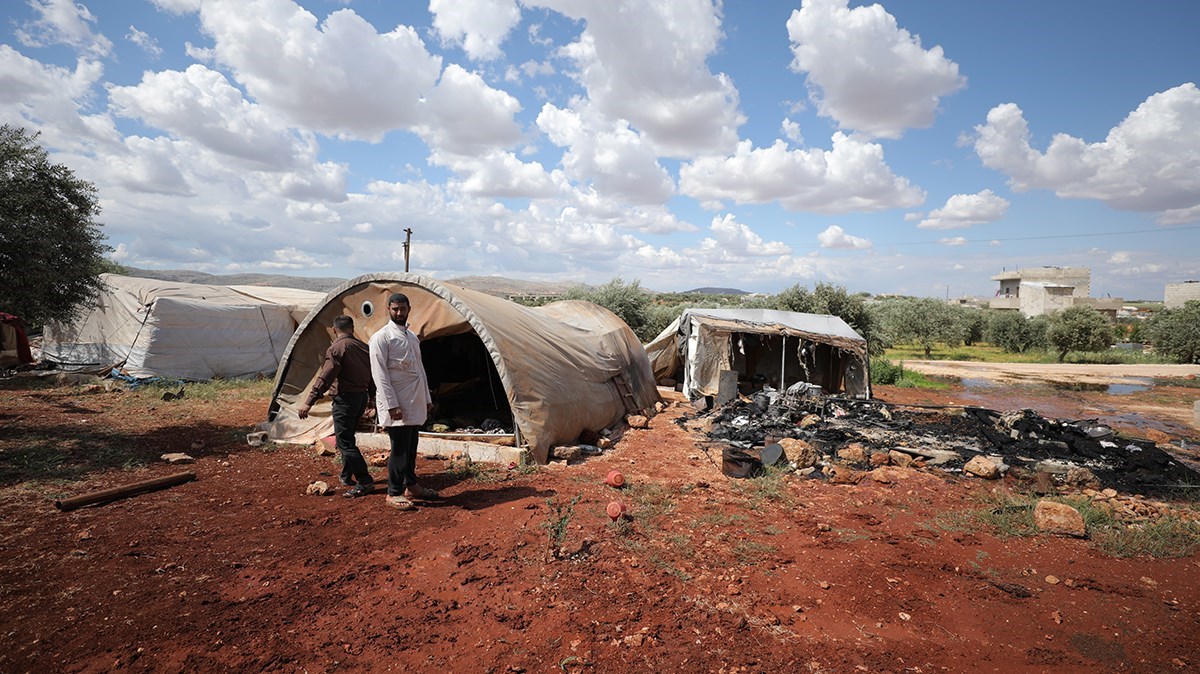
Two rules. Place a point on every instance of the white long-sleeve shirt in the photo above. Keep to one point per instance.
(399, 376)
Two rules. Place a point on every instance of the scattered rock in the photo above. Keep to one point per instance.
(1081, 478)
(1052, 580)
(842, 475)
(660, 406)
(981, 466)
(900, 459)
(604, 443)
(637, 421)
(378, 459)
(319, 488)
(799, 452)
(1058, 518)
(879, 458)
(808, 421)
(568, 453)
(177, 457)
(853, 452)
(890, 474)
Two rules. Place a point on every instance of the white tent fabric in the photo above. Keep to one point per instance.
(152, 328)
(701, 343)
(565, 368)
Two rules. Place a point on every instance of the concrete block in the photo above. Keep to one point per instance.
(431, 446)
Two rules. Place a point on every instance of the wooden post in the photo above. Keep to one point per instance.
(116, 493)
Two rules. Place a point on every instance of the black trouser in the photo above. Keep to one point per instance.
(347, 410)
(402, 462)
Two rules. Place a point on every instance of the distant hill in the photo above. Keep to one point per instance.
(715, 291)
(316, 283)
(505, 287)
(492, 285)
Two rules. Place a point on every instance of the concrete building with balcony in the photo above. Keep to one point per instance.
(1176, 294)
(1036, 291)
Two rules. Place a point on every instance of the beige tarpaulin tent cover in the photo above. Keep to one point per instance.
(563, 366)
(152, 328)
(700, 344)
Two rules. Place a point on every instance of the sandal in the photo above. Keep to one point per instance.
(359, 490)
(400, 503)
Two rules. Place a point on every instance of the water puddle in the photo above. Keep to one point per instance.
(1135, 386)
(1111, 389)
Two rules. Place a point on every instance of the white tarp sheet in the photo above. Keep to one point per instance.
(152, 328)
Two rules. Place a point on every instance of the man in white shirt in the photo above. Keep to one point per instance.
(402, 400)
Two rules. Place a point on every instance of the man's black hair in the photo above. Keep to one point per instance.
(343, 323)
(398, 298)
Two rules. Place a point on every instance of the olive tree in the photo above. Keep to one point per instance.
(627, 300)
(1175, 333)
(1078, 328)
(924, 321)
(1013, 332)
(51, 247)
(834, 300)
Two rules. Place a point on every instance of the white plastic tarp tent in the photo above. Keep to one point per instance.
(763, 346)
(151, 328)
(550, 372)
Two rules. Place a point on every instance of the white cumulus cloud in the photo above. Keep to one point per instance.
(964, 210)
(610, 157)
(478, 26)
(835, 237)
(851, 177)
(340, 76)
(866, 72)
(645, 61)
(145, 41)
(1150, 162)
(732, 239)
(63, 22)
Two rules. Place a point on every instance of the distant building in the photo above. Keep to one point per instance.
(1176, 294)
(1042, 290)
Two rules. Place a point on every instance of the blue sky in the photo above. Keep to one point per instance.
(906, 147)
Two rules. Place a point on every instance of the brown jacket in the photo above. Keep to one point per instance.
(347, 369)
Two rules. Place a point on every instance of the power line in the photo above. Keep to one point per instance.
(1158, 230)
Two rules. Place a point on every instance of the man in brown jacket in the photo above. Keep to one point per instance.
(346, 374)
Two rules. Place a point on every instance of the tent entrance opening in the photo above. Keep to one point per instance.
(468, 395)
(781, 361)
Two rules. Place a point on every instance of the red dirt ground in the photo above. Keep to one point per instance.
(240, 570)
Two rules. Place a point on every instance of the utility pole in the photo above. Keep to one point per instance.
(407, 246)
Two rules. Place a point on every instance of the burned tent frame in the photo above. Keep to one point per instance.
(764, 347)
(549, 373)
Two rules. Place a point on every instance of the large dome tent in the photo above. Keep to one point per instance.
(551, 372)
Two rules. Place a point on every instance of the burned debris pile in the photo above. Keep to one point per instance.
(947, 438)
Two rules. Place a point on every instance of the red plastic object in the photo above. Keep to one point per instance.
(615, 509)
(615, 479)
